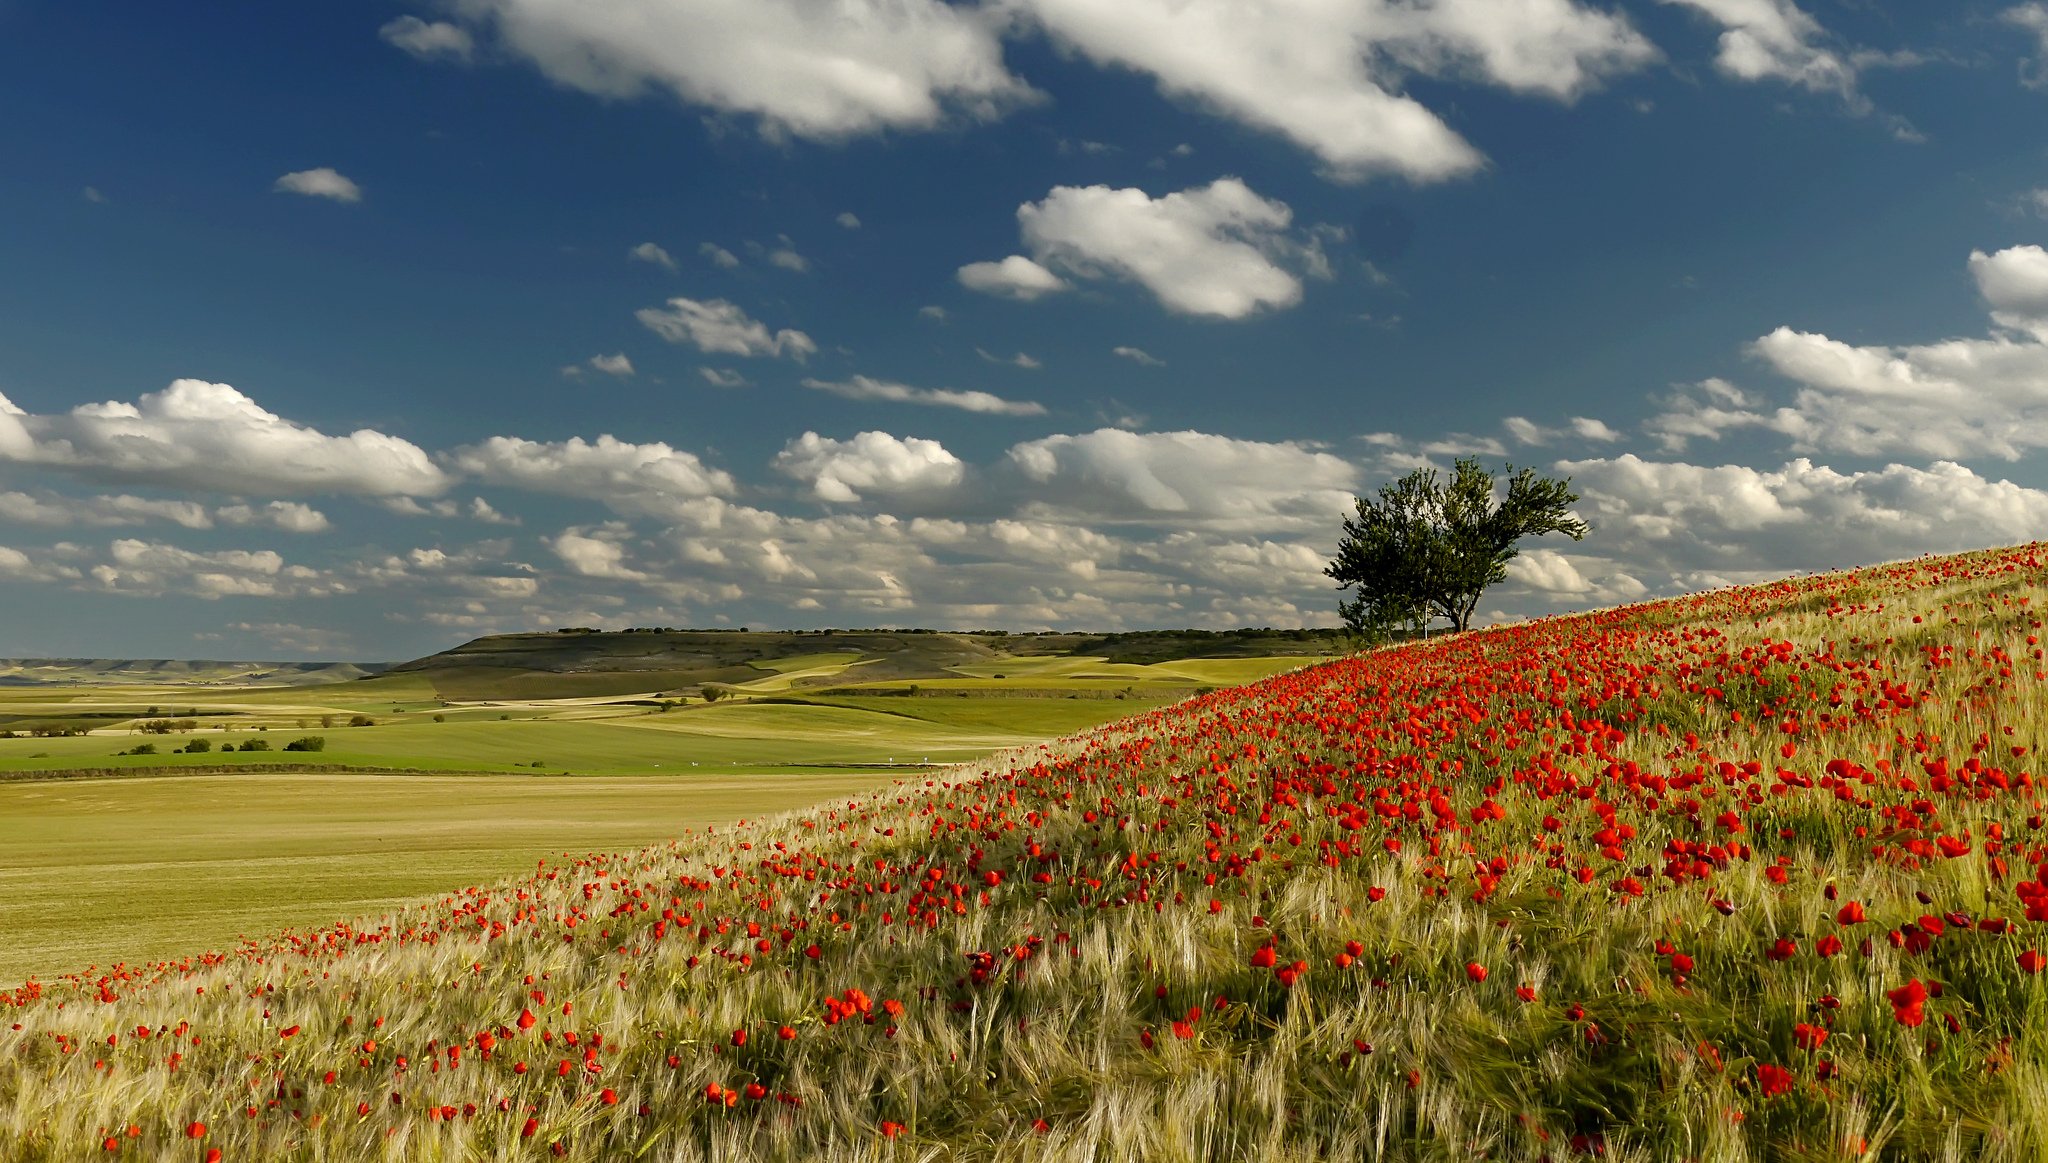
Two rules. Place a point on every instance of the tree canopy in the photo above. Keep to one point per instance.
(1426, 547)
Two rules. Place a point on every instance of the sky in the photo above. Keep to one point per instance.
(360, 330)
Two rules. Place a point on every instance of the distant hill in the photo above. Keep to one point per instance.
(171, 671)
(593, 663)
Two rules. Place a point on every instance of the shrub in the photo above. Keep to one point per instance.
(256, 745)
(361, 721)
(307, 743)
(141, 749)
(198, 746)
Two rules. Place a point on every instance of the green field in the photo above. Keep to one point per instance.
(98, 870)
(95, 871)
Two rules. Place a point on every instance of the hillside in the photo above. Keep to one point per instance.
(172, 671)
(1746, 875)
(590, 663)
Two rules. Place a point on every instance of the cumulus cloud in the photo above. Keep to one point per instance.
(149, 568)
(1955, 398)
(289, 516)
(1190, 476)
(629, 478)
(1776, 40)
(200, 435)
(649, 252)
(1325, 75)
(872, 462)
(819, 71)
(724, 377)
(323, 182)
(1708, 525)
(429, 40)
(1015, 277)
(1216, 250)
(868, 388)
(1138, 355)
(615, 364)
(597, 553)
(722, 327)
(52, 510)
(719, 256)
(848, 219)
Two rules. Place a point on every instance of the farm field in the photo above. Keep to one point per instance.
(95, 871)
(1754, 874)
(767, 722)
(99, 871)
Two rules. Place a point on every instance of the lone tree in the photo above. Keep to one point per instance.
(1427, 547)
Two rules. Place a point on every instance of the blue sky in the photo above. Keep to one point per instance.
(359, 330)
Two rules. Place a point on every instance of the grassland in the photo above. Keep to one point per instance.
(94, 872)
(1749, 876)
(789, 712)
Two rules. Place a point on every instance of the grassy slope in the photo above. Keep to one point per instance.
(1583, 884)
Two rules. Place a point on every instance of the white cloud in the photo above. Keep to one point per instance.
(1015, 277)
(428, 40)
(788, 259)
(867, 388)
(2032, 17)
(1547, 570)
(1188, 476)
(198, 435)
(1322, 74)
(718, 255)
(595, 553)
(148, 568)
(481, 510)
(615, 364)
(93, 195)
(1214, 250)
(629, 478)
(1955, 398)
(52, 510)
(18, 566)
(649, 252)
(1527, 431)
(2015, 284)
(848, 219)
(1707, 525)
(1138, 355)
(323, 182)
(821, 71)
(722, 327)
(1020, 359)
(289, 516)
(722, 377)
(1777, 40)
(873, 462)
(933, 312)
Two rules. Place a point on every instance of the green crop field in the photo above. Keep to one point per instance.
(95, 871)
(99, 870)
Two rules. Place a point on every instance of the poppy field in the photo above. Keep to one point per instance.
(1752, 874)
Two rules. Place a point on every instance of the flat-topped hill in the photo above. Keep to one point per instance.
(596, 663)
